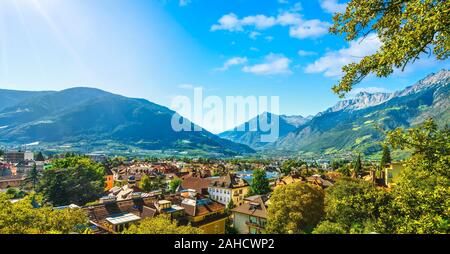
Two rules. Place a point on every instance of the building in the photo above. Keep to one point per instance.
(206, 214)
(109, 180)
(200, 185)
(319, 181)
(113, 216)
(228, 188)
(251, 217)
(391, 173)
(11, 181)
(18, 156)
(290, 179)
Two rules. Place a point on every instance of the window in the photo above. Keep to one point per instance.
(253, 219)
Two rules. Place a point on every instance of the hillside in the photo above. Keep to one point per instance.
(252, 137)
(92, 119)
(354, 125)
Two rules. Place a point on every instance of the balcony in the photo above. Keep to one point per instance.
(254, 225)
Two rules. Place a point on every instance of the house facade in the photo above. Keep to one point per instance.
(228, 188)
(251, 216)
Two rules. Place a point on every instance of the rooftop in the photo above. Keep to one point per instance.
(122, 218)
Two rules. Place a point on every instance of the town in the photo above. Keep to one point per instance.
(217, 196)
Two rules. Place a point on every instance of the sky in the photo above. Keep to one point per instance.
(160, 49)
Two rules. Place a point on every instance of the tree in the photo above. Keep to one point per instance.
(357, 165)
(161, 224)
(230, 205)
(40, 157)
(355, 203)
(386, 157)
(23, 218)
(74, 179)
(406, 29)
(147, 184)
(421, 195)
(327, 227)
(33, 177)
(173, 185)
(344, 170)
(15, 193)
(295, 208)
(260, 183)
(291, 165)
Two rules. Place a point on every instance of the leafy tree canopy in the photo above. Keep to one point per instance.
(422, 193)
(22, 218)
(406, 29)
(354, 203)
(74, 179)
(260, 183)
(173, 185)
(295, 209)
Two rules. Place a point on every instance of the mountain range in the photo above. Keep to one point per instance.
(89, 119)
(355, 124)
(244, 133)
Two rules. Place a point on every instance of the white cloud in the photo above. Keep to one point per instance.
(331, 64)
(231, 62)
(297, 7)
(333, 6)
(228, 22)
(273, 64)
(298, 27)
(184, 2)
(283, 1)
(309, 29)
(254, 34)
(306, 53)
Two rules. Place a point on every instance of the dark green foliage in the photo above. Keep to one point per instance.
(385, 157)
(357, 165)
(354, 203)
(73, 180)
(40, 157)
(33, 177)
(260, 183)
(408, 30)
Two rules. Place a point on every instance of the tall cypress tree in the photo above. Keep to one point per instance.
(386, 157)
(358, 165)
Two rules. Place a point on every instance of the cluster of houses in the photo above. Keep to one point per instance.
(201, 200)
(14, 167)
(209, 195)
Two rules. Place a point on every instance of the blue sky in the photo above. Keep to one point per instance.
(157, 49)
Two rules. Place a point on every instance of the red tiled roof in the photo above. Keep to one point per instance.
(196, 183)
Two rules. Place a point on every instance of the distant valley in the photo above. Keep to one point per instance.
(354, 125)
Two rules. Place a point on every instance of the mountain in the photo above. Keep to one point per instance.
(10, 97)
(250, 132)
(92, 119)
(353, 125)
